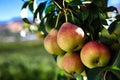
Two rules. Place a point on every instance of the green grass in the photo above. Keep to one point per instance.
(26, 61)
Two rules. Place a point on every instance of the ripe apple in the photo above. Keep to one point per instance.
(70, 37)
(72, 63)
(50, 43)
(94, 54)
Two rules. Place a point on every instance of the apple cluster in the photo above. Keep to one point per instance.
(73, 51)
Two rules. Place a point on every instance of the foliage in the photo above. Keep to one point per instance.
(26, 61)
(91, 16)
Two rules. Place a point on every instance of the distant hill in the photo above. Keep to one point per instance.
(15, 25)
(10, 30)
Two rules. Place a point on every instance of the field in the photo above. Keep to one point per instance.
(26, 60)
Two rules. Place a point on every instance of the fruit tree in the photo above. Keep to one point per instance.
(82, 35)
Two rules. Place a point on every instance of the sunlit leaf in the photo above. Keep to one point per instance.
(115, 68)
(40, 10)
(24, 12)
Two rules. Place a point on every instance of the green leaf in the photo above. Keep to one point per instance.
(45, 22)
(102, 17)
(102, 4)
(117, 17)
(25, 4)
(40, 10)
(26, 20)
(111, 75)
(111, 9)
(112, 26)
(42, 27)
(83, 13)
(74, 2)
(113, 72)
(50, 22)
(93, 12)
(49, 9)
(117, 60)
(71, 18)
(23, 12)
(116, 73)
(31, 7)
(61, 75)
(78, 77)
(92, 21)
(115, 68)
(117, 30)
(96, 73)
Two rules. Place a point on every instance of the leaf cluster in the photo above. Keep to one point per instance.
(91, 16)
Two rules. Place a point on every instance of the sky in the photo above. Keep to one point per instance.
(115, 3)
(10, 9)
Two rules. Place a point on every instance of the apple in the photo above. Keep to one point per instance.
(94, 54)
(59, 61)
(40, 35)
(50, 43)
(72, 63)
(70, 37)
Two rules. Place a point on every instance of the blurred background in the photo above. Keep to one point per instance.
(22, 54)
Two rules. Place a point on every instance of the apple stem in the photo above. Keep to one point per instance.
(57, 19)
(64, 3)
(65, 11)
(91, 36)
(71, 15)
(104, 77)
(66, 18)
(58, 5)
